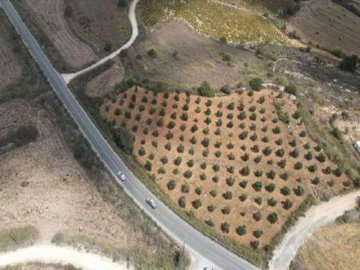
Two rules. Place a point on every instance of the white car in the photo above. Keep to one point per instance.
(121, 175)
(151, 202)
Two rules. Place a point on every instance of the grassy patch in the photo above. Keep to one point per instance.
(17, 237)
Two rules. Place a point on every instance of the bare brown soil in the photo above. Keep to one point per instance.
(98, 22)
(186, 58)
(319, 251)
(328, 24)
(219, 165)
(106, 81)
(50, 16)
(10, 70)
(41, 184)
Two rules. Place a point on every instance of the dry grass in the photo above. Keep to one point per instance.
(193, 60)
(10, 70)
(98, 22)
(331, 248)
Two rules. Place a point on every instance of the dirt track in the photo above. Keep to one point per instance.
(316, 217)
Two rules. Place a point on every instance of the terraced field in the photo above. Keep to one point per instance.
(204, 16)
(49, 17)
(229, 161)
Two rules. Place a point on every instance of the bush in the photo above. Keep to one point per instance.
(245, 171)
(152, 53)
(272, 218)
(196, 203)
(205, 90)
(182, 202)
(291, 89)
(298, 166)
(287, 204)
(257, 186)
(211, 208)
(349, 63)
(271, 202)
(185, 188)
(123, 139)
(213, 193)
(270, 187)
(230, 181)
(187, 174)
(241, 230)
(257, 233)
(228, 195)
(242, 197)
(226, 210)
(256, 84)
(299, 191)
(257, 216)
(225, 227)
(243, 184)
(171, 184)
(142, 151)
(285, 191)
(148, 166)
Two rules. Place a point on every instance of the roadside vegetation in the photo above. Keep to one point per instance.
(31, 78)
(14, 238)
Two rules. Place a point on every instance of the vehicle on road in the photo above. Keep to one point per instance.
(151, 202)
(121, 175)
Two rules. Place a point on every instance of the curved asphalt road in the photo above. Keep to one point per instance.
(173, 225)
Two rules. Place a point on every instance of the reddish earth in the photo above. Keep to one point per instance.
(159, 129)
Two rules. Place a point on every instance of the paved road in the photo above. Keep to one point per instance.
(314, 218)
(173, 225)
(134, 34)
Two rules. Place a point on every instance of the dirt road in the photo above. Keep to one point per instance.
(316, 217)
(135, 32)
(60, 255)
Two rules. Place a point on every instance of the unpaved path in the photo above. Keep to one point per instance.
(135, 32)
(316, 217)
(59, 255)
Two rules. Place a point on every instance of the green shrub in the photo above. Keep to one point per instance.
(205, 90)
(241, 230)
(171, 184)
(272, 218)
(256, 84)
(291, 89)
(123, 139)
